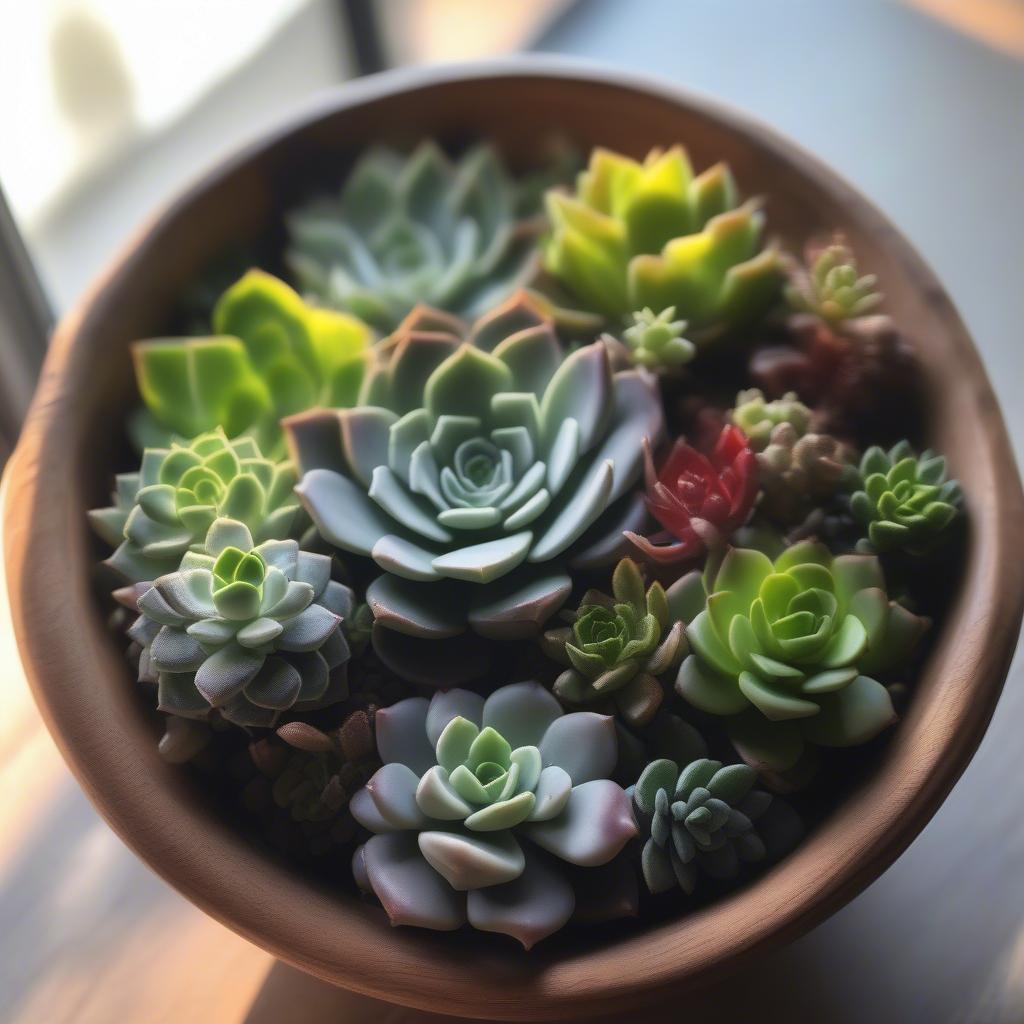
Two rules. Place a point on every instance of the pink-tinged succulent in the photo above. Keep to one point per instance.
(483, 807)
(699, 500)
(479, 463)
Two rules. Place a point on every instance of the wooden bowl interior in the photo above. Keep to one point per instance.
(74, 442)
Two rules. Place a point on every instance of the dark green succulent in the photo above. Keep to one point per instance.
(700, 819)
(905, 501)
(617, 646)
(169, 505)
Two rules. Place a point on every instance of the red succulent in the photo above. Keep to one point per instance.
(698, 500)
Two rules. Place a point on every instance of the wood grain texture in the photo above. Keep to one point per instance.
(63, 463)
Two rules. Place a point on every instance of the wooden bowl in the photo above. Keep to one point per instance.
(65, 459)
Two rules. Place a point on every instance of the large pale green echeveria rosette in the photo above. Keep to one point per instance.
(480, 806)
(652, 234)
(905, 501)
(248, 630)
(167, 507)
(617, 647)
(271, 355)
(789, 650)
(416, 229)
(473, 469)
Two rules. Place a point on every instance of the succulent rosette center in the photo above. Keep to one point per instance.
(483, 458)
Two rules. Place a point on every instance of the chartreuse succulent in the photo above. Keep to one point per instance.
(656, 340)
(482, 805)
(168, 506)
(905, 501)
(618, 646)
(651, 234)
(416, 229)
(476, 465)
(702, 819)
(789, 651)
(249, 630)
(270, 355)
(757, 418)
(830, 286)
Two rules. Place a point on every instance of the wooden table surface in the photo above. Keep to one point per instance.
(928, 122)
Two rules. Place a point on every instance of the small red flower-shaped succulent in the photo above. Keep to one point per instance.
(698, 500)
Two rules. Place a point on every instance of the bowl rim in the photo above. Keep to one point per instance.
(629, 971)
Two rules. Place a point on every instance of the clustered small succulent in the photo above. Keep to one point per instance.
(499, 442)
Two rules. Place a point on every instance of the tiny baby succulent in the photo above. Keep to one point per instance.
(476, 465)
(905, 501)
(416, 229)
(757, 417)
(471, 796)
(651, 234)
(271, 355)
(829, 285)
(788, 649)
(702, 819)
(698, 500)
(169, 505)
(800, 472)
(617, 646)
(249, 630)
(656, 341)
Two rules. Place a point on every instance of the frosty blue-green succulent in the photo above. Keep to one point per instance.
(475, 466)
(167, 507)
(249, 630)
(699, 819)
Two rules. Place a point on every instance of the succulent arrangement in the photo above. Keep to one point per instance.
(508, 558)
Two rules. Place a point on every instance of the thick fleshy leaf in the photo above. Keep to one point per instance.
(657, 868)
(407, 608)
(364, 810)
(401, 734)
(174, 650)
(343, 512)
(455, 743)
(854, 715)
(226, 672)
(448, 704)
(503, 814)
(437, 798)
(309, 629)
(521, 712)
(537, 904)
(473, 862)
(276, 685)
(594, 826)
(519, 605)
(409, 889)
(552, 793)
(658, 775)
(393, 789)
(581, 743)
(482, 563)
(707, 690)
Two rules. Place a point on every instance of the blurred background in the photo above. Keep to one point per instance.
(110, 106)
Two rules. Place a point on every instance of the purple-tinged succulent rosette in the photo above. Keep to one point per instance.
(478, 464)
(483, 808)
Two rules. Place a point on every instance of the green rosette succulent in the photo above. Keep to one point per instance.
(417, 229)
(830, 287)
(617, 646)
(482, 804)
(656, 341)
(789, 650)
(169, 505)
(702, 819)
(757, 418)
(475, 466)
(248, 630)
(271, 355)
(905, 501)
(651, 234)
